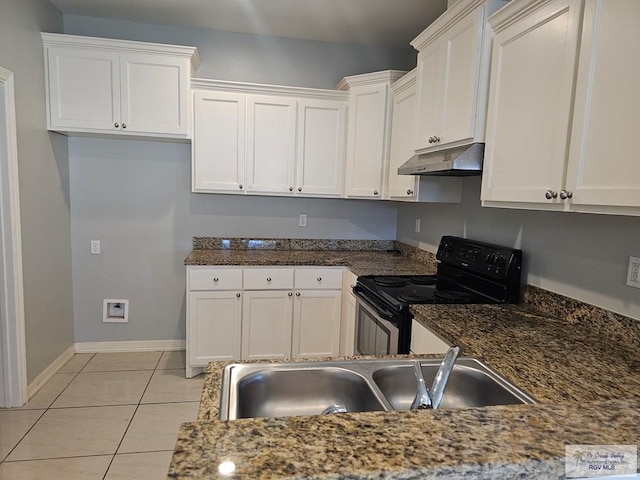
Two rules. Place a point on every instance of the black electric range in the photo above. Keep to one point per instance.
(467, 272)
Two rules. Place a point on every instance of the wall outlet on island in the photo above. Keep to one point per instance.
(302, 221)
(417, 225)
(633, 275)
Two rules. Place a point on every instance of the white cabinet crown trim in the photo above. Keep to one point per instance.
(374, 78)
(514, 12)
(265, 89)
(405, 83)
(65, 40)
(450, 17)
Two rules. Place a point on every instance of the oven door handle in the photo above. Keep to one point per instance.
(385, 314)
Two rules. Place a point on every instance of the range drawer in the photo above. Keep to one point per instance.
(215, 279)
(268, 278)
(318, 278)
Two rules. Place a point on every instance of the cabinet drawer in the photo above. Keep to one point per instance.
(268, 278)
(319, 278)
(215, 279)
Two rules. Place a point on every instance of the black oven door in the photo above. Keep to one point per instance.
(377, 332)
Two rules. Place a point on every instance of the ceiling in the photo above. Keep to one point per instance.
(384, 23)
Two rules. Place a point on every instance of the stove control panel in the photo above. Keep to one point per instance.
(481, 258)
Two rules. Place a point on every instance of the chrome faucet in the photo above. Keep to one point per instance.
(431, 399)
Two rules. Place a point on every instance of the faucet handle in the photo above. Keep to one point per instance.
(442, 377)
(422, 399)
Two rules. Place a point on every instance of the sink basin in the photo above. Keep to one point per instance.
(471, 384)
(310, 388)
(278, 392)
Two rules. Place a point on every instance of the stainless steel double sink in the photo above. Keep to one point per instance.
(291, 389)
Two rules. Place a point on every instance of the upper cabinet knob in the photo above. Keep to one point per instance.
(319, 279)
(432, 139)
(375, 192)
(124, 125)
(215, 279)
(268, 279)
(297, 294)
(238, 295)
(117, 125)
(299, 189)
(240, 186)
(549, 194)
(436, 139)
(291, 189)
(564, 194)
(409, 192)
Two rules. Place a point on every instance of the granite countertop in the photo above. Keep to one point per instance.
(586, 377)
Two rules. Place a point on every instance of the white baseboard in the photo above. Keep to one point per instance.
(130, 346)
(50, 371)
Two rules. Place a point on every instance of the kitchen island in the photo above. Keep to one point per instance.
(580, 362)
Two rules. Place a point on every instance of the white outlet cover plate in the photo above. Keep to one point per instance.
(633, 275)
(302, 221)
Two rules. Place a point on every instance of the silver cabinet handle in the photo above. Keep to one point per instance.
(375, 192)
(268, 279)
(297, 294)
(319, 279)
(117, 125)
(432, 139)
(436, 139)
(291, 189)
(290, 294)
(299, 189)
(564, 194)
(237, 295)
(215, 279)
(240, 186)
(124, 125)
(409, 192)
(549, 194)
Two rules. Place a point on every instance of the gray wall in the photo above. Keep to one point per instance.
(582, 256)
(254, 58)
(135, 196)
(44, 185)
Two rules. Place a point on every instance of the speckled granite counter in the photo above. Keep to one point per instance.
(583, 366)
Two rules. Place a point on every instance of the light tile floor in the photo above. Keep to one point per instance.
(105, 416)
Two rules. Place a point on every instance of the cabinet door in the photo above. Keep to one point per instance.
(316, 323)
(533, 64)
(424, 341)
(155, 91)
(403, 124)
(366, 143)
(214, 320)
(218, 142)
(83, 89)
(271, 144)
(429, 90)
(462, 45)
(266, 324)
(321, 147)
(603, 164)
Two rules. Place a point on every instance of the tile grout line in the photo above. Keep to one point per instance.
(132, 417)
(45, 410)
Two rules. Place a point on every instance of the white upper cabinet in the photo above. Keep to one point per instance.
(368, 133)
(218, 141)
(321, 147)
(537, 155)
(530, 102)
(119, 87)
(452, 77)
(268, 140)
(604, 170)
(271, 144)
(413, 188)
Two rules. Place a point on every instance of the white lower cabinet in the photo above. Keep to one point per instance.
(266, 324)
(216, 333)
(316, 323)
(261, 313)
(424, 341)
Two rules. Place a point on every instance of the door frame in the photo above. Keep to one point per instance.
(13, 374)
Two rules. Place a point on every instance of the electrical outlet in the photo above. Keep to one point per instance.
(633, 276)
(115, 310)
(302, 221)
(417, 225)
(95, 247)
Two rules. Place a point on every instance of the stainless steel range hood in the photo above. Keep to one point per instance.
(457, 162)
